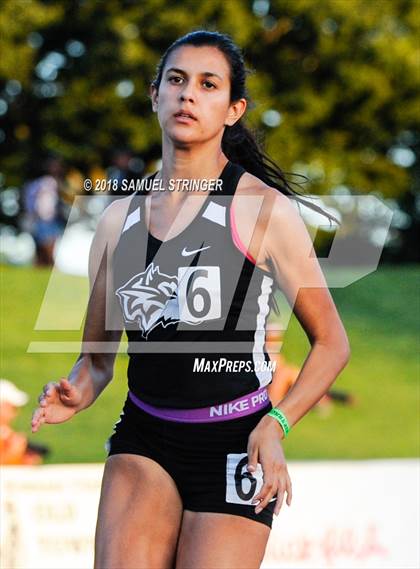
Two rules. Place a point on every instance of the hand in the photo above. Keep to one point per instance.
(57, 403)
(264, 446)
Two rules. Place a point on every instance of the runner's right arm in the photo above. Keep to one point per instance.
(93, 369)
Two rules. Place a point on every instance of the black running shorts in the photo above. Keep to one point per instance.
(207, 461)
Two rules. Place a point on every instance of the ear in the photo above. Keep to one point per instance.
(236, 110)
(154, 97)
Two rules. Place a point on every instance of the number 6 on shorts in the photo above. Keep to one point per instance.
(241, 486)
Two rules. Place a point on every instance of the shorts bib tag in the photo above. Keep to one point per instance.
(241, 485)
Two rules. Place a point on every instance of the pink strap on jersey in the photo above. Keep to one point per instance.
(237, 239)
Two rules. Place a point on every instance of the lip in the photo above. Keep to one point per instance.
(188, 116)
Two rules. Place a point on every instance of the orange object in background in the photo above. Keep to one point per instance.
(286, 374)
(15, 447)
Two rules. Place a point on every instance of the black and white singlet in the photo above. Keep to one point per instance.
(188, 302)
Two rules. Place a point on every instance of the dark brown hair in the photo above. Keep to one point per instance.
(239, 144)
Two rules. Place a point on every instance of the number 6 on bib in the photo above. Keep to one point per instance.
(199, 293)
(241, 485)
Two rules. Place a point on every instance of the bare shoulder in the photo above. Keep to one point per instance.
(113, 217)
(269, 201)
(115, 213)
(265, 218)
(249, 183)
(110, 225)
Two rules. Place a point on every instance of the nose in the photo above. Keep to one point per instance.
(187, 97)
(187, 94)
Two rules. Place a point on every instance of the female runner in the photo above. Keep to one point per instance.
(195, 468)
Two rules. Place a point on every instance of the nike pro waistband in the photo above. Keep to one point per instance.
(235, 409)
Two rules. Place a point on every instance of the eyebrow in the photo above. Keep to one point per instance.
(205, 73)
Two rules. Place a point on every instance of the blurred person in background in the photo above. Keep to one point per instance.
(195, 468)
(124, 167)
(15, 448)
(44, 215)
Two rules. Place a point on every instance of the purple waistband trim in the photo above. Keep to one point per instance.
(240, 407)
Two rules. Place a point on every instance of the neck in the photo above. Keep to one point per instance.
(192, 162)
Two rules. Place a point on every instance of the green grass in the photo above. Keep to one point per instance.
(380, 313)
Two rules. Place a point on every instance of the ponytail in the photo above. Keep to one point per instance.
(242, 146)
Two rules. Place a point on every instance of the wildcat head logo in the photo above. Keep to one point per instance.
(150, 298)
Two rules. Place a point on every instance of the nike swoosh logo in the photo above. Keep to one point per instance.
(186, 253)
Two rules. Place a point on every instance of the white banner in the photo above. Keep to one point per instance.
(345, 514)
(48, 516)
(349, 514)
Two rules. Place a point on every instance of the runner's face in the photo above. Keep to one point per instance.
(197, 80)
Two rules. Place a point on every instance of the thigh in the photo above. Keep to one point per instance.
(213, 474)
(139, 516)
(210, 540)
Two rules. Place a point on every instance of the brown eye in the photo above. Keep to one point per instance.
(209, 85)
(175, 77)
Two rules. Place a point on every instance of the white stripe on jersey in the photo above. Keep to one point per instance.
(132, 219)
(264, 375)
(216, 212)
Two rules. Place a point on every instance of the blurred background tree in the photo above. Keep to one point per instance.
(336, 89)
